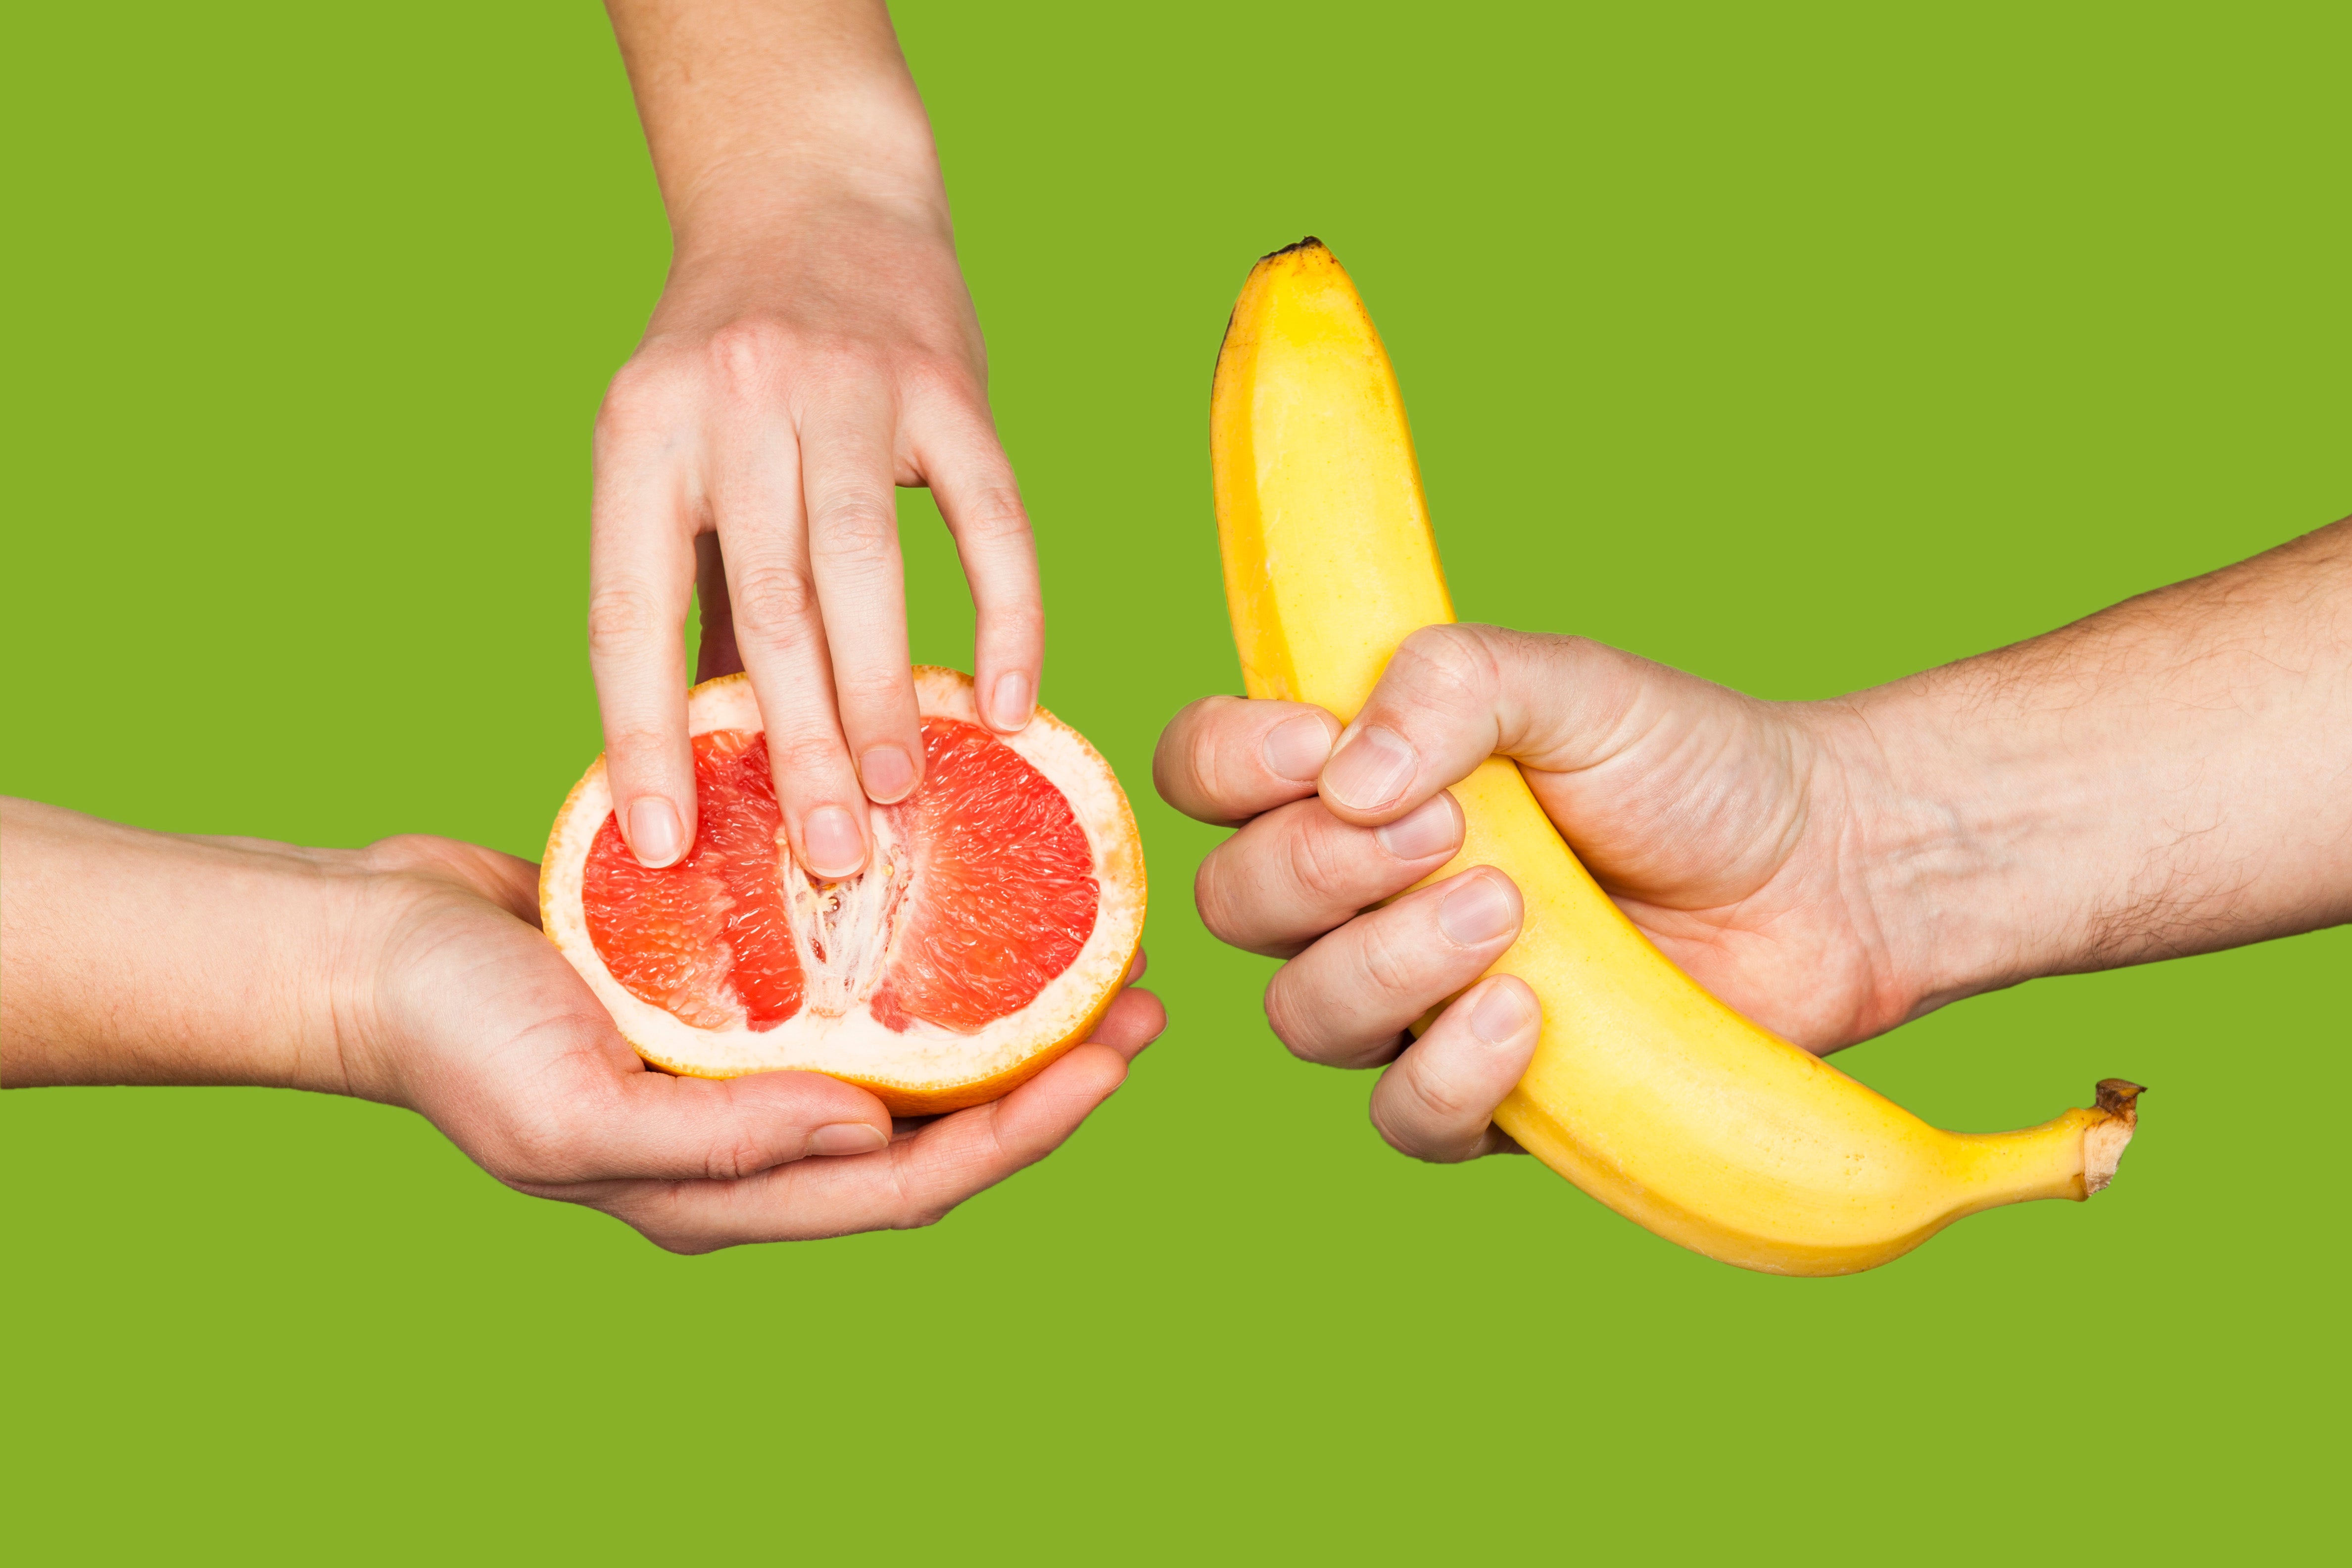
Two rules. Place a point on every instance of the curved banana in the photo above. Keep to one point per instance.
(1645, 1090)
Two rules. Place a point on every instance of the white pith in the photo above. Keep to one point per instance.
(849, 923)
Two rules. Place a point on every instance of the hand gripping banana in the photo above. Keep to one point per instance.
(1645, 1090)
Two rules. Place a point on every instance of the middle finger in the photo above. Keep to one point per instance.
(1346, 1001)
(847, 464)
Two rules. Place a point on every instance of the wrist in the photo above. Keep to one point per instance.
(1953, 842)
(765, 204)
(286, 919)
(410, 904)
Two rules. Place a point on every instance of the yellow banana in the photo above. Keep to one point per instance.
(1645, 1090)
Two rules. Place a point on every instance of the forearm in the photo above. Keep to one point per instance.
(129, 957)
(758, 111)
(2170, 775)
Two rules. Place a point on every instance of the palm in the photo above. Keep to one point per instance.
(1715, 829)
(481, 1025)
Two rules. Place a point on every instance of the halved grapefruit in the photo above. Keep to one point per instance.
(992, 926)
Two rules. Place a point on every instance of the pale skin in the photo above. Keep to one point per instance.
(2170, 775)
(412, 972)
(815, 348)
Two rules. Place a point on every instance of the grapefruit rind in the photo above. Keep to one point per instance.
(926, 1069)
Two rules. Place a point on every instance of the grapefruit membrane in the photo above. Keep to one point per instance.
(995, 923)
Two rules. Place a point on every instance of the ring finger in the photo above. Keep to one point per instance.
(851, 504)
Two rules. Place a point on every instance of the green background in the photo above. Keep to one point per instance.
(1798, 346)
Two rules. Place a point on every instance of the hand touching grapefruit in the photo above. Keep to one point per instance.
(995, 922)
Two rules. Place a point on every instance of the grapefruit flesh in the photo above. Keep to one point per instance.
(994, 921)
(1011, 894)
(708, 935)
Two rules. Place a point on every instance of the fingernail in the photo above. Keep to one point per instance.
(1009, 705)
(1478, 911)
(846, 1138)
(887, 773)
(1297, 748)
(1372, 767)
(656, 835)
(1499, 1015)
(835, 847)
(1422, 831)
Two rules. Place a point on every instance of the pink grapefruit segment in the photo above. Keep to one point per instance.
(1011, 880)
(705, 939)
(995, 923)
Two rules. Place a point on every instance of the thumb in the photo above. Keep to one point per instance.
(1454, 695)
(649, 1125)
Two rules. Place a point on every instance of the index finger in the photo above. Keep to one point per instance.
(640, 574)
(1227, 759)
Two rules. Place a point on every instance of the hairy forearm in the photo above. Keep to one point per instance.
(129, 957)
(2170, 775)
(757, 110)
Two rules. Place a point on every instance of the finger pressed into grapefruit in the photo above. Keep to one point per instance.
(994, 921)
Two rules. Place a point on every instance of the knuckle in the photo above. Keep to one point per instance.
(852, 526)
(1399, 1131)
(771, 600)
(749, 355)
(994, 516)
(1283, 1017)
(404, 851)
(1314, 859)
(834, 360)
(1383, 1119)
(1441, 1097)
(637, 402)
(880, 689)
(1224, 769)
(1450, 667)
(1176, 770)
(1225, 757)
(740, 1157)
(913, 1210)
(1386, 962)
(1018, 627)
(1374, 1113)
(942, 380)
(811, 753)
(623, 619)
(1196, 758)
(1211, 898)
(637, 742)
